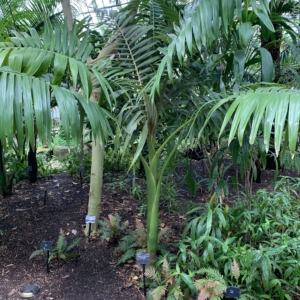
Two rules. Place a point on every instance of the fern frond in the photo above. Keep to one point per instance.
(61, 242)
(175, 290)
(141, 233)
(130, 253)
(211, 287)
(235, 269)
(127, 242)
(158, 292)
(212, 274)
(152, 274)
(74, 243)
(35, 253)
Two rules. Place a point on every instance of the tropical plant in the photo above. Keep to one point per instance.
(261, 241)
(132, 242)
(136, 241)
(61, 250)
(111, 228)
(162, 282)
(28, 107)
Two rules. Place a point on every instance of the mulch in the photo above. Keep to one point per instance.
(28, 217)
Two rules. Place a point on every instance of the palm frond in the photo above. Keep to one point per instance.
(266, 107)
(26, 93)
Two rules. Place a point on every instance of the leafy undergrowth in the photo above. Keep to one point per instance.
(253, 245)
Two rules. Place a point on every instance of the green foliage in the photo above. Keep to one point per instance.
(111, 228)
(61, 249)
(131, 243)
(163, 282)
(190, 181)
(136, 241)
(137, 192)
(71, 163)
(169, 193)
(263, 242)
(15, 165)
(45, 165)
(116, 160)
(211, 285)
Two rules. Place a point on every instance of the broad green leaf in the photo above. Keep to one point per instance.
(3, 100)
(245, 33)
(8, 114)
(142, 141)
(189, 282)
(42, 114)
(98, 118)
(293, 121)
(67, 105)
(60, 64)
(82, 46)
(3, 55)
(35, 37)
(267, 66)
(18, 109)
(74, 71)
(15, 60)
(209, 221)
(85, 79)
(58, 42)
(257, 118)
(28, 109)
(35, 253)
(280, 120)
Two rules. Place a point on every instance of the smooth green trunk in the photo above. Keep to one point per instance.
(96, 182)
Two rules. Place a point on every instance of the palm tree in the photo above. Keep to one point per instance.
(26, 91)
(249, 110)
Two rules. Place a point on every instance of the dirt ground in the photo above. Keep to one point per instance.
(26, 221)
(28, 217)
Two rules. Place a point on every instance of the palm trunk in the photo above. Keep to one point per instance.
(96, 182)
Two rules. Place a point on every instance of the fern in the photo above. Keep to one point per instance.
(158, 292)
(130, 253)
(212, 286)
(35, 253)
(61, 250)
(111, 228)
(73, 244)
(152, 274)
(175, 291)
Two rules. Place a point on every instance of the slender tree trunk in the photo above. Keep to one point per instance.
(96, 179)
(68, 13)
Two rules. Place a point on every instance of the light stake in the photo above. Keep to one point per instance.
(80, 171)
(143, 259)
(90, 220)
(46, 246)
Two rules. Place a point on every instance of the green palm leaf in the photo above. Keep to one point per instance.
(266, 107)
(25, 96)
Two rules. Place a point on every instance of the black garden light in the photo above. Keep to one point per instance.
(90, 220)
(143, 259)
(46, 246)
(29, 291)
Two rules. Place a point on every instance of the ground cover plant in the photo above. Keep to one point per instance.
(255, 249)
